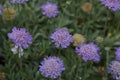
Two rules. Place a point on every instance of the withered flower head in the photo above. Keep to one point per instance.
(8, 14)
(87, 7)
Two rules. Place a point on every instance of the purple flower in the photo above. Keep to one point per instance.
(117, 54)
(61, 37)
(18, 1)
(111, 4)
(51, 67)
(88, 51)
(49, 9)
(114, 69)
(20, 37)
(1, 9)
(118, 78)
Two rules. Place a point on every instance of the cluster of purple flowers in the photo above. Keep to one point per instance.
(114, 66)
(53, 66)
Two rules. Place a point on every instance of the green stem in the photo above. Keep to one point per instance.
(18, 9)
(79, 68)
(107, 61)
(20, 60)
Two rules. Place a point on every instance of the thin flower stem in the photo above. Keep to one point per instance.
(79, 68)
(107, 61)
(20, 60)
(107, 51)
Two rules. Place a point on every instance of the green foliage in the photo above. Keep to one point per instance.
(101, 22)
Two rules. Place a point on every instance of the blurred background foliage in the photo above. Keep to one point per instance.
(99, 25)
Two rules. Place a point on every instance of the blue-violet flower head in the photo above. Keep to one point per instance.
(61, 37)
(111, 4)
(51, 67)
(20, 37)
(114, 69)
(88, 51)
(49, 9)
